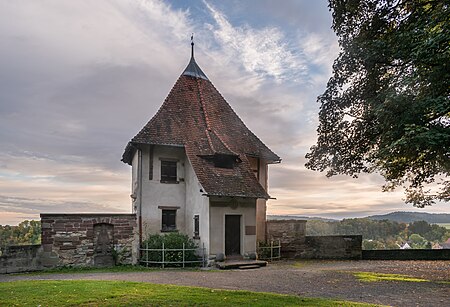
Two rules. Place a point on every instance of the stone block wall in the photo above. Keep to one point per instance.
(295, 243)
(331, 247)
(406, 254)
(20, 258)
(89, 239)
(290, 233)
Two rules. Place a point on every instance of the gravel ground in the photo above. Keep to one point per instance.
(327, 279)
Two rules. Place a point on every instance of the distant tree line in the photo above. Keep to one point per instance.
(382, 234)
(27, 232)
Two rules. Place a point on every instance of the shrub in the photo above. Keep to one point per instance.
(171, 240)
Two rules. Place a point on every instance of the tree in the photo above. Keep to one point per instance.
(27, 232)
(386, 108)
(418, 242)
(419, 227)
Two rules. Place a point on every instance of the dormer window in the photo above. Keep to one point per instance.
(224, 161)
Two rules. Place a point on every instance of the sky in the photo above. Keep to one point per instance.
(78, 79)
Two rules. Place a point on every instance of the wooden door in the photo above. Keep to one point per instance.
(232, 235)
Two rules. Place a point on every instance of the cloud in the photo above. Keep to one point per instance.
(17, 209)
(80, 78)
(75, 79)
(264, 52)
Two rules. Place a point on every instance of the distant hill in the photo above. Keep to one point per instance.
(399, 216)
(408, 217)
(298, 217)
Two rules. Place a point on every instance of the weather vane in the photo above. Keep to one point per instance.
(192, 45)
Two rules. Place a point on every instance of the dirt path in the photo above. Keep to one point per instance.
(328, 279)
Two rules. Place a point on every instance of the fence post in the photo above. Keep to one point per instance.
(183, 255)
(146, 255)
(163, 255)
(271, 250)
(279, 249)
(203, 255)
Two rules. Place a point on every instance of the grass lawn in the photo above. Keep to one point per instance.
(120, 268)
(371, 277)
(121, 293)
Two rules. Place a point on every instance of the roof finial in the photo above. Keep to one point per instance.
(192, 45)
(192, 69)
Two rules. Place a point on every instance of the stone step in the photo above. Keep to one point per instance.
(241, 264)
(249, 267)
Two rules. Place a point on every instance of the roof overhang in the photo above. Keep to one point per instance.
(131, 148)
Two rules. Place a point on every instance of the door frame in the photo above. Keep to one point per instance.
(241, 232)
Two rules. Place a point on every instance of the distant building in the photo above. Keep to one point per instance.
(446, 244)
(405, 246)
(197, 169)
(436, 246)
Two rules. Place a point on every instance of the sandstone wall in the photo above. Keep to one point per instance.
(20, 258)
(290, 233)
(295, 243)
(79, 239)
(331, 247)
(406, 254)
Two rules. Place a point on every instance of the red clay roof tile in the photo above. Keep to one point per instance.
(196, 116)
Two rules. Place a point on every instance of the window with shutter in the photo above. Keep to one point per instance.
(169, 171)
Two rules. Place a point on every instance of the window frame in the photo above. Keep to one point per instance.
(169, 178)
(165, 213)
(196, 226)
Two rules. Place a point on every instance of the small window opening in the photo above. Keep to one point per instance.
(169, 220)
(224, 161)
(169, 171)
(196, 226)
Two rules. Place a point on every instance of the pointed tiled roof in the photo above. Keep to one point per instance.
(196, 116)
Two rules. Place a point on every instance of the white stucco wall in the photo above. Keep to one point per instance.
(189, 196)
(196, 204)
(135, 200)
(221, 207)
(156, 194)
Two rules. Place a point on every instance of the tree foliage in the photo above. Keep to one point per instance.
(382, 234)
(27, 232)
(386, 108)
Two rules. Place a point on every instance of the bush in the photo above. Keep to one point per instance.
(171, 240)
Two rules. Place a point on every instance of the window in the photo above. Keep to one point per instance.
(169, 220)
(150, 162)
(224, 161)
(169, 171)
(196, 227)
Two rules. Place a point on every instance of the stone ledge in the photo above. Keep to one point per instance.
(86, 214)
